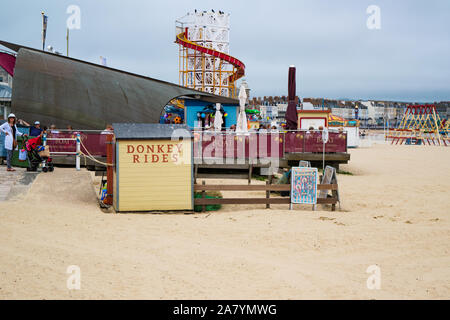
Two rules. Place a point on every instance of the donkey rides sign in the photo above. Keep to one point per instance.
(153, 168)
(304, 185)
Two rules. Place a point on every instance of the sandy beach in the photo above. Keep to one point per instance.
(395, 214)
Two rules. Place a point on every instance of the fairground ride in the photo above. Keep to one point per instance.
(421, 124)
(204, 60)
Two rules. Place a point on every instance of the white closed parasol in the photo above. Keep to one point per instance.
(241, 126)
(218, 118)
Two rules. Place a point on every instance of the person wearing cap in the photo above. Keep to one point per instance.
(11, 132)
(36, 130)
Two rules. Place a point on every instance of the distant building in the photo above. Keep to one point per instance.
(371, 113)
(271, 108)
(443, 108)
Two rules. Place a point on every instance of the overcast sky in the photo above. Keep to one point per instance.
(336, 54)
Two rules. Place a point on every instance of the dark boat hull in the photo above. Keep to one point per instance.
(63, 91)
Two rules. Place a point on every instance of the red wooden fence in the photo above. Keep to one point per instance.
(208, 144)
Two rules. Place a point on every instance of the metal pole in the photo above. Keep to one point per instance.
(323, 156)
(109, 170)
(43, 31)
(44, 143)
(77, 163)
(67, 38)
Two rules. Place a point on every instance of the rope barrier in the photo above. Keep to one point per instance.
(91, 157)
(95, 160)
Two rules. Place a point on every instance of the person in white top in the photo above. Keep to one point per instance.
(9, 128)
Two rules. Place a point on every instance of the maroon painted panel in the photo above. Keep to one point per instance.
(295, 141)
(264, 145)
(94, 143)
(7, 62)
(336, 142)
(313, 142)
(252, 146)
(61, 145)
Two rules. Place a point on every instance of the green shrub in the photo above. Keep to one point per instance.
(208, 195)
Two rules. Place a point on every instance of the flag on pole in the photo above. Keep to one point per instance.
(44, 29)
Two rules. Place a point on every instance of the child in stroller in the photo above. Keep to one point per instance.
(34, 147)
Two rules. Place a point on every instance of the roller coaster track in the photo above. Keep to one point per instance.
(239, 65)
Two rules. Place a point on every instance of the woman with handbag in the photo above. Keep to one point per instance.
(9, 128)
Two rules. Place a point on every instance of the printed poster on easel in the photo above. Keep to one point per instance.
(304, 185)
(329, 177)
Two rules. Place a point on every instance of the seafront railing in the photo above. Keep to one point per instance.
(76, 143)
(264, 144)
(255, 145)
(75, 139)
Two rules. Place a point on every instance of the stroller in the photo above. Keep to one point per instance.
(34, 147)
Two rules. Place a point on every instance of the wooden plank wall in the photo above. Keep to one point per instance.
(267, 200)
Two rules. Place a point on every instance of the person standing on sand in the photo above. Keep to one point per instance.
(9, 128)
